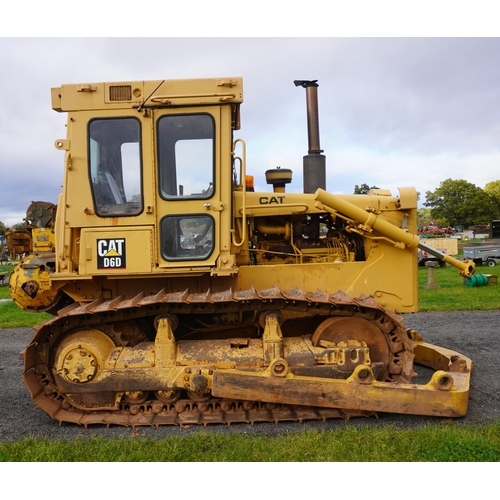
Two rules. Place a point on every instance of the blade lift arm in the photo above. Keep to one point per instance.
(400, 237)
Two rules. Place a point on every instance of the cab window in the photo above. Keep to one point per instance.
(115, 166)
(186, 156)
(187, 237)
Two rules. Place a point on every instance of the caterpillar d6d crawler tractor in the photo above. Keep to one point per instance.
(181, 295)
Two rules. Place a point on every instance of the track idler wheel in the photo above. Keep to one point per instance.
(347, 332)
(81, 354)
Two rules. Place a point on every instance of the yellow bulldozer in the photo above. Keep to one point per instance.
(181, 295)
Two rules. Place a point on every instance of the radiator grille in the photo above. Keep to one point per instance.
(120, 93)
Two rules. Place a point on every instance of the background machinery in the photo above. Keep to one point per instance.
(182, 295)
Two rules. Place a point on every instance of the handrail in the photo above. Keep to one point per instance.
(165, 99)
(242, 185)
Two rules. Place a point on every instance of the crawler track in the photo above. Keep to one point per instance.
(106, 313)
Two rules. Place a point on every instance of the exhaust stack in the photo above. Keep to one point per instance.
(314, 162)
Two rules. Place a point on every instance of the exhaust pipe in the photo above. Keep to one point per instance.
(314, 163)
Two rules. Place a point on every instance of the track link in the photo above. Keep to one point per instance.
(37, 356)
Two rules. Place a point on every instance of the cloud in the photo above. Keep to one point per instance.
(393, 111)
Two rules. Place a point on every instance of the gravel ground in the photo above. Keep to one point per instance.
(474, 334)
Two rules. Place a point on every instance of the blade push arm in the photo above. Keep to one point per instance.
(401, 238)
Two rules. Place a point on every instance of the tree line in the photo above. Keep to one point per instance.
(461, 203)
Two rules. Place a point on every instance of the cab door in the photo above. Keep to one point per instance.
(188, 190)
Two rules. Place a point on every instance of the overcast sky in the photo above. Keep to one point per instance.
(393, 111)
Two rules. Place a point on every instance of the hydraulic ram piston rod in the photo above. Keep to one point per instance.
(370, 220)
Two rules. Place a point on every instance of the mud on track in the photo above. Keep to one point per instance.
(474, 334)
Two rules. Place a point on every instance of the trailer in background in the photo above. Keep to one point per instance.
(489, 255)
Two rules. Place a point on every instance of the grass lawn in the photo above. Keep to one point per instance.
(438, 443)
(445, 442)
(453, 295)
